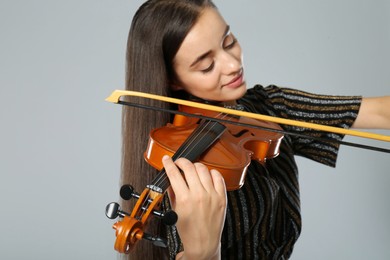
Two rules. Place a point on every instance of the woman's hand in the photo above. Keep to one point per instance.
(198, 196)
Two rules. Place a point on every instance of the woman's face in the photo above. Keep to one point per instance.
(208, 64)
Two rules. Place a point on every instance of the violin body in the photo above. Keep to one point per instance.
(230, 155)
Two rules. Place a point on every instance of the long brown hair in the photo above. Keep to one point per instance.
(157, 31)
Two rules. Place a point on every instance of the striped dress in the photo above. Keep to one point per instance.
(263, 218)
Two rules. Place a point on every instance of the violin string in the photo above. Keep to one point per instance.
(189, 145)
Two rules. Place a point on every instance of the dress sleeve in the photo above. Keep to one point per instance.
(174, 242)
(330, 110)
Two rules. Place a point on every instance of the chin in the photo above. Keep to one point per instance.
(237, 93)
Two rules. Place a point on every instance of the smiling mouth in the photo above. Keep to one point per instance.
(236, 81)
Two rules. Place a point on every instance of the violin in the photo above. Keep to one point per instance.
(227, 147)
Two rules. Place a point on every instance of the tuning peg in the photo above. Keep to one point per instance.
(127, 192)
(157, 241)
(169, 217)
(113, 210)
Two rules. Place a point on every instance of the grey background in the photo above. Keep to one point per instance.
(60, 141)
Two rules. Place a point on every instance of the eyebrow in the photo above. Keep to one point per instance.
(204, 55)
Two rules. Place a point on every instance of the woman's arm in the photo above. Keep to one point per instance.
(374, 113)
(199, 198)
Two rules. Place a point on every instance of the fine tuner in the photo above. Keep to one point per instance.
(113, 210)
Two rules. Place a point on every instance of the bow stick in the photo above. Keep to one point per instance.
(116, 94)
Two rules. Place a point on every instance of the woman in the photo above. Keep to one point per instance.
(185, 49)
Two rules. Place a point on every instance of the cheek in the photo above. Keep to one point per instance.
(202, 82)
(197, 83)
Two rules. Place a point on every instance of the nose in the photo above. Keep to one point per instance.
(230, 62)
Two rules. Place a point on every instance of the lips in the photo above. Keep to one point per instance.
(236, 81)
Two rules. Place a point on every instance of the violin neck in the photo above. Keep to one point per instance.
(194, 146)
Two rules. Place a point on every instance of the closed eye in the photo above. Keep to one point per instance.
(209, 68)
(229, 41)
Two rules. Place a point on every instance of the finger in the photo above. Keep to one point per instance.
(176, 179)
(219, 182)
(190, 173)
(204, 176)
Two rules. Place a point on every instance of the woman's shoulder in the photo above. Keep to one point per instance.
(269, 91)
(258, 99)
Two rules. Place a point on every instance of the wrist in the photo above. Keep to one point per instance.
(186, 255)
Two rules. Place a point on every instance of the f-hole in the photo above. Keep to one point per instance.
(241, 133)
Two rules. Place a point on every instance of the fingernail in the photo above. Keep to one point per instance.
(165, 157)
